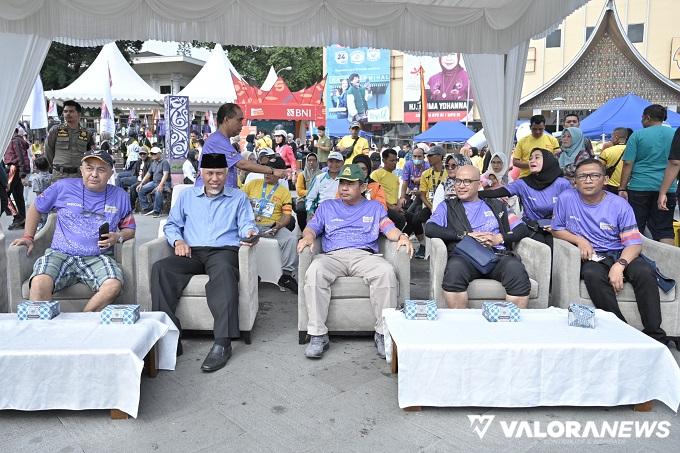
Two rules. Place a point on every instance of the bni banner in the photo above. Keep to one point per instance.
(448, 90)
(358, 84)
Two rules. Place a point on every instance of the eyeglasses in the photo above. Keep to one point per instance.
(591, 176)
(463, 182)
(452, 166)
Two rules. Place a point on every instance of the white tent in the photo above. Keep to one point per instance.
(213, 85)
(127, 87)
(271, 79)
(500, 28)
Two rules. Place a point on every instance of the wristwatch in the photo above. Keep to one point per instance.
(120, 238)
(622, 262)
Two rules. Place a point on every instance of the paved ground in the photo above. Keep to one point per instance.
(271, 398)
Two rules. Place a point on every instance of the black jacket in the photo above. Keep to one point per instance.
(458, 224)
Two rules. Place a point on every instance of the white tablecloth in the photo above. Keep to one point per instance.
(73, 362)
(463, 360)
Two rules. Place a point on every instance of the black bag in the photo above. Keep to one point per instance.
(482, 258)
(609, 171)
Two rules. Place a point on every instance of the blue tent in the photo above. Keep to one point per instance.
(340, 128)
(445, 131)
(625, 111)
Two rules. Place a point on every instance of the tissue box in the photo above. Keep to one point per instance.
(581, 316)
(47, 309)
(420, 309)
(500, 312)
(120, 314)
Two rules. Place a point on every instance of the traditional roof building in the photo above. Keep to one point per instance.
(607, 66)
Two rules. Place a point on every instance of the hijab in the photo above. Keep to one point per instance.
(501, 176)
(569, 155)
(310, 173)
(191, 157)
(549, 173)
(460, 161)
(364, 159)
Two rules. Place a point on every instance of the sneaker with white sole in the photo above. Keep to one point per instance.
(318, 344)
(420, 253)
(379, 340)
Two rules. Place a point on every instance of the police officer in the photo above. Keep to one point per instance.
(67, 143)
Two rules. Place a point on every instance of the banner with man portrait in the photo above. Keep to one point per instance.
(447, 87)
(358, 84)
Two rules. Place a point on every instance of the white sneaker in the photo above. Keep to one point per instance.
(318, 344)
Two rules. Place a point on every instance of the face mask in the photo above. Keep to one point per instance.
(417, 161)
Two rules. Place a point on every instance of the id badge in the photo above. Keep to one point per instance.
(268, 210)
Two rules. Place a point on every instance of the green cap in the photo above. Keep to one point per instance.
(352, 172)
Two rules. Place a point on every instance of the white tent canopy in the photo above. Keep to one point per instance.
(434, 26)
(213, 84)
(271, 79)
(127, 88)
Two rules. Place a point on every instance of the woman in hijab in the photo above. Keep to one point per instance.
(445, 190)
(190, 167)
(496, 176)
(302, 186)
(538, 192)
(573, 150)
(374, 191)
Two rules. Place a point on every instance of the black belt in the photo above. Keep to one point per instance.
(66, 169)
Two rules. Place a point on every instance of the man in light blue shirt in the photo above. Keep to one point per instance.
(205, 227)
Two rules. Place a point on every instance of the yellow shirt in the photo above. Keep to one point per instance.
(478, 161)
(430, 180)
(361, 147)
(390, 183)
(610, 156)
(527, 144)
(270, 207)
(264, 142)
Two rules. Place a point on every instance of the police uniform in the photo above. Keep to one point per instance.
(65, 148)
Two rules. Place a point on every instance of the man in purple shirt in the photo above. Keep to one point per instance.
(488, 222)
(78, 253)
(603, 227)
(229, 124)
(349, 227)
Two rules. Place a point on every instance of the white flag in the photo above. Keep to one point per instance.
(107, 123)
(211, 122)
(35, 110)
(52, 109)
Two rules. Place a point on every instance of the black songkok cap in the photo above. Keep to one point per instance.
(213, 161)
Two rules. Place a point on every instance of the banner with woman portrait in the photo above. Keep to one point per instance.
(447, 87)
(358, 84)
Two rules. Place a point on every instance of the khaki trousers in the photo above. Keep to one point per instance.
(326, 268)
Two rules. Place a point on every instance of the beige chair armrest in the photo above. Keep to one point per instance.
(304, 260)
(248, 293)
(125, 256)
(537, 261)
(4, 294)
(147, 255)
(399, 259)
(566, 274)
(438, 258)
(667, 257)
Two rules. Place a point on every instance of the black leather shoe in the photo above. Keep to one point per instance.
(216, 358)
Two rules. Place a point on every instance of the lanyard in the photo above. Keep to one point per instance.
(436, 182)
(266, 197)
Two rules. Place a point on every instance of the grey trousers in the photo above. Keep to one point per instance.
(327, 267)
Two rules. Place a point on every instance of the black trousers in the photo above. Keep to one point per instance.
(509, 271)
(641, 276)
(542, 236)
(301, 213)
(416, 215)
(171, 275)
(3, 200)
(399, 218)
(16, 190)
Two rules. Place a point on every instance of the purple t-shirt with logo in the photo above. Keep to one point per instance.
(607, 225)
(80, 213)
(350, 226)
(538, 204)
(218, 143)
(411, 170)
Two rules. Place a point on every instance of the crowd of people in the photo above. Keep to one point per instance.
(347, 195)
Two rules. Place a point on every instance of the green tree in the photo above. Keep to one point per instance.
(253, 63)
(64, 64)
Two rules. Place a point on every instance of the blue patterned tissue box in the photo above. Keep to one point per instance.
(500, 312)
(420, 309)
(47, 309)
(120, 314)
(581, 316)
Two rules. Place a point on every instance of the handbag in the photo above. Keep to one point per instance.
(482, 258)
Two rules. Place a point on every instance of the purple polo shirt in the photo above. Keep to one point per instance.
(607, 225)
(538, 204)
(80, 213)
(218, 143)
(411, 170)
(350, 226)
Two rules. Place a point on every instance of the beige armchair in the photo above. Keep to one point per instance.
(569, 288)
(75, 297)
(350, 311)
(535, 257)
(4, 307)
(193, 308)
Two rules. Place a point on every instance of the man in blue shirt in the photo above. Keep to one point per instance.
(644, 162)
(205, 227)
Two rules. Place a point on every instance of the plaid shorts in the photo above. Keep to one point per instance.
(67, 270)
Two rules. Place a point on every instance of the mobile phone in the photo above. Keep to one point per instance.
(103, 230)
(251, 239)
